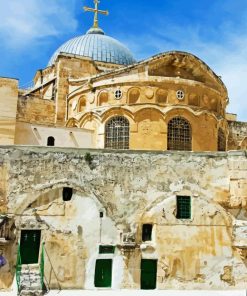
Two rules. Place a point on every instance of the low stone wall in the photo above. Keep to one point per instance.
(131, 188)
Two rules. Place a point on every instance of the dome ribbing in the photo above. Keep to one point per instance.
(98, 46)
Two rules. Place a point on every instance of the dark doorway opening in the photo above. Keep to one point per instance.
(103, 273)
(29, 246)
(67, 193)
(147, 232)
(148, 274)
(50, 141)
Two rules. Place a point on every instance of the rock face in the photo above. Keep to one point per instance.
(114, 195)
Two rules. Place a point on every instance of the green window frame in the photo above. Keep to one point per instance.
(183, 207)
(106, 249)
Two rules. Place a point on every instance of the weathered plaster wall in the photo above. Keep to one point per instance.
(33, 134)
(8, 105)
(133, 188)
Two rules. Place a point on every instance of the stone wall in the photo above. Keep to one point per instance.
(237, 135)
(69, 68)
(8, 105)
(131, 188)
(36, 110)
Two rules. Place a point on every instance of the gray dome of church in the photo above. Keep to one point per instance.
(98, 46)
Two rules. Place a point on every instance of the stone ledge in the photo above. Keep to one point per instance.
(44, 149)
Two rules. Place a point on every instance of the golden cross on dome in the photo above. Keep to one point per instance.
(96, 12)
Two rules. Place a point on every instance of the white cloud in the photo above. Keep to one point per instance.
(227, 56)
(25, 21)
(232, 66)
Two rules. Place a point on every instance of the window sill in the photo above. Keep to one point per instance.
(148, 246)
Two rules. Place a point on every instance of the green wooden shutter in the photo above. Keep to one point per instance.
(148, 274)
(103, 273)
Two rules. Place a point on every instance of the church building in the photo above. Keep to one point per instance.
(121, 174)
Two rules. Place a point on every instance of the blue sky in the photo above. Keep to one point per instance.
(215, 31)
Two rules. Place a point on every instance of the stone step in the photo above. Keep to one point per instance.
(30, 266)
(27, 276)
(30, 281)
(31, 293)
(30, 285)
(31, 289)
(30, 271)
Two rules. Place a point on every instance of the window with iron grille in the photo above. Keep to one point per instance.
(179, 134)
(221, 140)
(117, 133)
(183, 207)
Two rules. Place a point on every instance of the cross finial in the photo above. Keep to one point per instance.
(96, 12)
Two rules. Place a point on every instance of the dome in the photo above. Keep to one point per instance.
(98, 46)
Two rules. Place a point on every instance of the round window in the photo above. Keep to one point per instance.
(180, 95)
(118, 94)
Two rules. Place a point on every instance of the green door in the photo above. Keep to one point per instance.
(148, 274)
(29, 247)
(103, 273)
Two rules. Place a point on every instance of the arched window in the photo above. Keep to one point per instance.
(179, 134)
(50, 141)
(117, 133)
(221, 140)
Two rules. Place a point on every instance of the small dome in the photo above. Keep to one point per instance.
(96, 45)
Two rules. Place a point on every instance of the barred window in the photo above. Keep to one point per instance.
(117, 133)
(221, 140)
(179, 134)
(183, 207)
